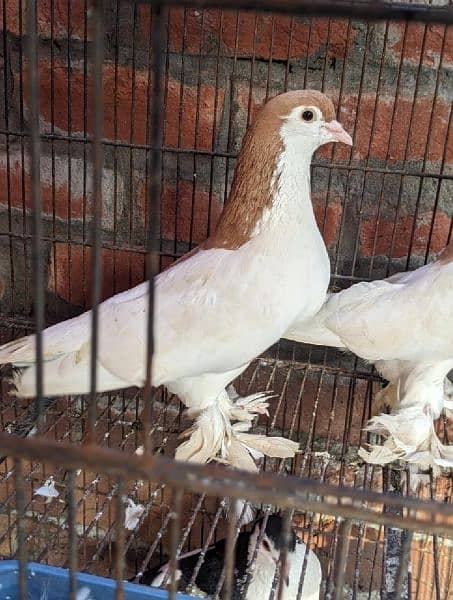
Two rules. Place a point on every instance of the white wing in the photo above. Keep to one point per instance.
(405, 317)
(214, 312)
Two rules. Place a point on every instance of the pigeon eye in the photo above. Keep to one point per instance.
(308, 116)
(266, 545)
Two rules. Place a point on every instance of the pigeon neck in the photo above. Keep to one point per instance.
(274, 193)
(291, 203)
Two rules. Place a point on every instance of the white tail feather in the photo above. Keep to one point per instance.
(69, 374)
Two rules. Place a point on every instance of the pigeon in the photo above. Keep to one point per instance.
(267, 559)
(404, 326)
(220, 305)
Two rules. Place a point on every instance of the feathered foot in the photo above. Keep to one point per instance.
(212, 437)
(248, 407)
(410, 436)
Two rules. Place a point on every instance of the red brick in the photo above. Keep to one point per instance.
(70, 272)
(416, 45)
(130, 124)
(61, 197)
(404, 131)
(126, 96)
(20, 188)
(189, 205)
(429, 130)
(184, 107)
(381, 235)
(447, 56)
(245, 34)
(63, 27)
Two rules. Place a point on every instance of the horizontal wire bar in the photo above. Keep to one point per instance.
(224, 154)
(357, 9)
(286, 492)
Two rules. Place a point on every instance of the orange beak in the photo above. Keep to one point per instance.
(338, 133)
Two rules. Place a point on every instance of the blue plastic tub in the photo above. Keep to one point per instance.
(52, 583)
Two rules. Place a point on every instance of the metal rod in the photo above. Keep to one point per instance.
(284, 553)
(341, 557)
(72, 562)
(154, 209)
(403, 567)
(207, 543)
(316, 164)
(22, 550)
(396, 542)
(175, 528)
(34, 149)
(119, 550)
(251, 561)
(358, 9)
(229, 552)
(268, 488)
(98, 53)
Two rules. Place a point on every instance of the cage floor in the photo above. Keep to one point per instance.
(322, 399)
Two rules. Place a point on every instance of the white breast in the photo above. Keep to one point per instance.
(263, 576)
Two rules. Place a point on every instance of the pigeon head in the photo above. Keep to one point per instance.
(277, 149)
(308, 117)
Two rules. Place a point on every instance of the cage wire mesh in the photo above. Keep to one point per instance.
(109, 106)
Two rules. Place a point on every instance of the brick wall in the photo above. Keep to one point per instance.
(391, 83)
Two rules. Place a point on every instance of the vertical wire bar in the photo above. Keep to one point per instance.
(152, 259)
(37, 258)
(6, 96)
(251, 561)
(97, 59)
(401, 586)
(175, 527)
(437, 585)
(119, 554)
(284, 553)
(303, 572)
(229, 551)
(20, 505)
(394, 536)
(344, 535)
(72, 562)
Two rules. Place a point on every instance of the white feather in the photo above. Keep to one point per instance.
(403, 324)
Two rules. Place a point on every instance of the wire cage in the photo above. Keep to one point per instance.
(120, 124)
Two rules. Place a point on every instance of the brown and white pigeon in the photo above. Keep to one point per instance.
(223, 303)
(404, 325)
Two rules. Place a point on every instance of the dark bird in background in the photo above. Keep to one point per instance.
(268, 554)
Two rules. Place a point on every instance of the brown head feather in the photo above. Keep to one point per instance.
(251, 189)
